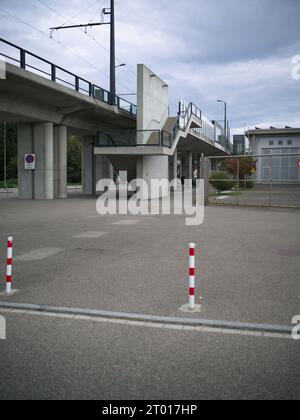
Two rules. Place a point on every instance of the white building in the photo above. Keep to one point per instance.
(280, 153)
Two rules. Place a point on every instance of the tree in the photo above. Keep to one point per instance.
(247, 166)
(11, 151)
(74, 160)
(221, 181)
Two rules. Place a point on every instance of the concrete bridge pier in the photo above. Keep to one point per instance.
(94, 167)
(60, 135)
(49, 144)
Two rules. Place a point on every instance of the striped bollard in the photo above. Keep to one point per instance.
(9, 265)
(192, 274)
(191, 306)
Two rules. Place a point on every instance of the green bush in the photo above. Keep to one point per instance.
(11, 151)
(221, 181)
(74, 161)
(11, 183)
(249, 185)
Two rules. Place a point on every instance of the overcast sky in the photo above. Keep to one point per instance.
(238, 50)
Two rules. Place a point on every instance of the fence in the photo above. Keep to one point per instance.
(271, 180)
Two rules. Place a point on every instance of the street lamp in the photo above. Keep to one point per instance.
(225, 117)
(120, 65)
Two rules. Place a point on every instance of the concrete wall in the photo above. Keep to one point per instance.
(152, 100)
(152, 114)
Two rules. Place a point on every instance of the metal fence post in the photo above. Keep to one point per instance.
(53, 73)
(271, 182)
(23, 59)
(204, 174)
(91, 90)
(77, 83)
(238, 180)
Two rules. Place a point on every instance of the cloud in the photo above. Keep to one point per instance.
(233, 50)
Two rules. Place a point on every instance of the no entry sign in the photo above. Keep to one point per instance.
(298, 163)
(30, 162)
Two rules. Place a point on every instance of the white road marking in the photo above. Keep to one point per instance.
(38, 254)
(127, 222)
(90, 235)
(146, 324)
(223, 197)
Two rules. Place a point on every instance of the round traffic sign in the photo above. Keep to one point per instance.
(29, 159)
(298, 163)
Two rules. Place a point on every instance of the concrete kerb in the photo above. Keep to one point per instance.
(230, 325)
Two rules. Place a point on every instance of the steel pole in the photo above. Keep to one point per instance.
(112, 54)
(225, 121)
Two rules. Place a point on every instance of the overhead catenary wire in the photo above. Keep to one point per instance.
(88, 34)
(131, 93)
(57, 42)
(84, 31)
(70, 50)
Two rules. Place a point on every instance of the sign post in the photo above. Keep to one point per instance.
(30, 162)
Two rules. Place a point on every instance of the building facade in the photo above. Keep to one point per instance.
(278, 154)
(239, 145)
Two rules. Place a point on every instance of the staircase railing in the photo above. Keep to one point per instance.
(135, 138)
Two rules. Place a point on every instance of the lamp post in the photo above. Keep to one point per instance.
(225, 117)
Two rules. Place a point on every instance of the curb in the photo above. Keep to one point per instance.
(279, 329)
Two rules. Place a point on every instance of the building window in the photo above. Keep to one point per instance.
(290, 142)
(280, 143)
(271, 143)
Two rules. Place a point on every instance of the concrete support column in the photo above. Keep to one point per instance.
(60, 161)
(199, 166)
(103, 169)
(190, 165)
(25, 147)
(182, 167)
(49, 161)
(88, 165)
(175, 161)
(36, 139)
(44, 151)
(153, 167)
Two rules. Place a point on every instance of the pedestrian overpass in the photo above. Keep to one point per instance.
(50, 103)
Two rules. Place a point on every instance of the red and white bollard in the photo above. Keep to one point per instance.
(192, 307)
(192, 274)
(9, 264)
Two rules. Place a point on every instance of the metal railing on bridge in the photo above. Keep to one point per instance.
(29, 61)
(135, 138)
